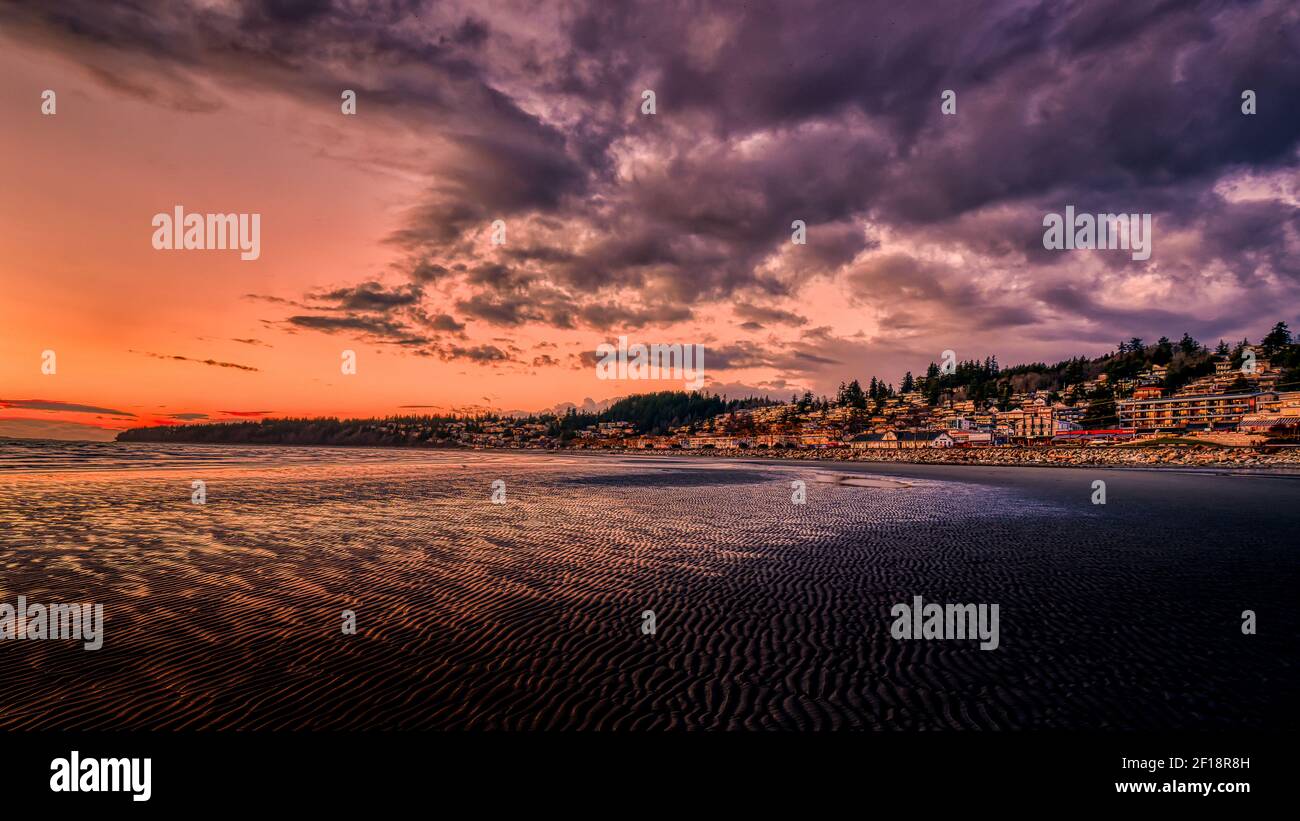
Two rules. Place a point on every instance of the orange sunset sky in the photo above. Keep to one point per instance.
(923, 231)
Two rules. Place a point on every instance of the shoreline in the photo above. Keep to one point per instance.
(1152, 458)
(1155, 457)
(1267, 467)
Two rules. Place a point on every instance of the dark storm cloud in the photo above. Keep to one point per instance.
(540, 306)
(478, 353)
(500, 310)
(369, 296)
(368, 327)
(759, 314)
(446, 322)
(415, 70)
(425, 272)
(612, 316)
(743, 355)
(373, 311)
(341, 323)
(1072, 300)
(497, 277)
(768, 112)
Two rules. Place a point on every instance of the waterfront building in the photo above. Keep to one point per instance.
(901, 440)
(1179, 413)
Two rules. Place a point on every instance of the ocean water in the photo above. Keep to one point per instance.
(529, 614)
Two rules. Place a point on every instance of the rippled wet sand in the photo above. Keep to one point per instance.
(528, 614)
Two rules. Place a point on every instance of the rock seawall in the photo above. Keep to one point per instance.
(1156, 456)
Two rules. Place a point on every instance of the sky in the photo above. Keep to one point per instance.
(924, 230)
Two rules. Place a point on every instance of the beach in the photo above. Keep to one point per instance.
(529, 614)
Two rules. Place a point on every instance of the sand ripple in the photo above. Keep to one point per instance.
(528, 614)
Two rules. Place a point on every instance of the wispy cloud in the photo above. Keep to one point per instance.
(66, 407)
(212, 362)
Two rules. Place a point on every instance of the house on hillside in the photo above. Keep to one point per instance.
(901, 440)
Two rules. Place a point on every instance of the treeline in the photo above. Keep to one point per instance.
(1184, 360)
(986, 382)
(654, 413)
(388, 431)
(657, 413)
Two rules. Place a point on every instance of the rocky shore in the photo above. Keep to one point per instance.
(1155, 456)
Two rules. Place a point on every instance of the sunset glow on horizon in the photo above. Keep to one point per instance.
(375, 228)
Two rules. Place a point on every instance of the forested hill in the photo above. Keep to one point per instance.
(658, 413)
(647, 413)
(1183, 360)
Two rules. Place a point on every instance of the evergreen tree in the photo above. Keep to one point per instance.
(1164, 352)
(1276, 339)
(855, 396)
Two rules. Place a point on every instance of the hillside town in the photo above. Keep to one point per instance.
(1226, 407)
(1238, 396)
